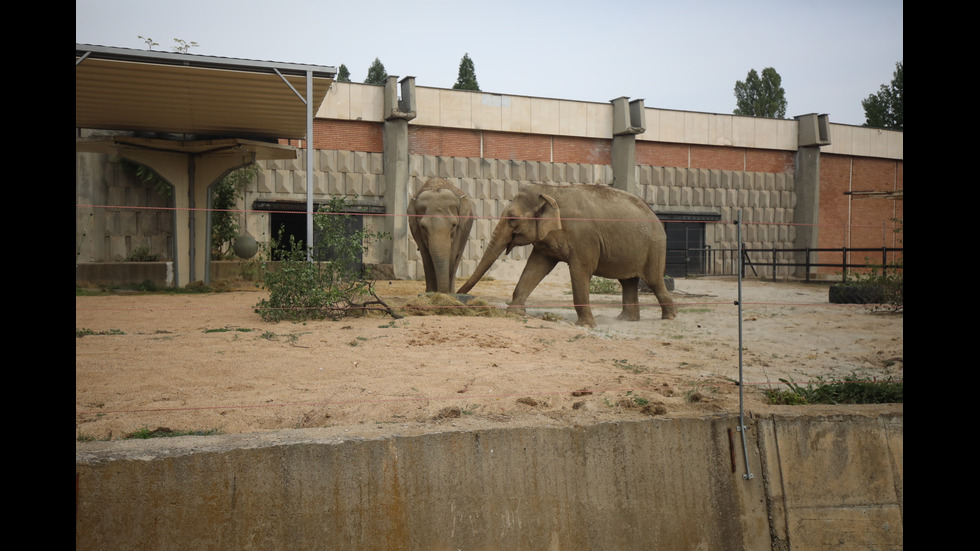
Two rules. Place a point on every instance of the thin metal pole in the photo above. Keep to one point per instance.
(309, 165)
(741, 402)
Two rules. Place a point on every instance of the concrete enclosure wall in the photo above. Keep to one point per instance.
(818, 482)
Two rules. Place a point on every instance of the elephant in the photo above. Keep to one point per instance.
(440, 217)
(597, 230)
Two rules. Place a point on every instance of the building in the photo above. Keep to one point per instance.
(796, 184)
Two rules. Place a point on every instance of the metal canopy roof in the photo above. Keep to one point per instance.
(141, 90)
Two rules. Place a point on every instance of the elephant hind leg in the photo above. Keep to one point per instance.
(668, 310)
(631, 300)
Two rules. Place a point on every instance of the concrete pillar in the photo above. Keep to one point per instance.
(629, 119)
(813, 131)
(397, 112)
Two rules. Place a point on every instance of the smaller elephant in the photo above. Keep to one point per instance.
(440, 217)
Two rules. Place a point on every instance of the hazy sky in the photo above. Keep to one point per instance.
(675, 55)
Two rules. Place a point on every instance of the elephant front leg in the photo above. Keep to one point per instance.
(537, 267)
(581, 278)
(631, 300)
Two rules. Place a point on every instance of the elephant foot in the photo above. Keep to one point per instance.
(586, 322)
(517, 309)
(668, 315)
(628, 316)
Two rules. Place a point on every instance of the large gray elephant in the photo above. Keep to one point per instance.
(597, 230)
(440, 217)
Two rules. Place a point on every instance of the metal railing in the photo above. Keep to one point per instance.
(711, 261)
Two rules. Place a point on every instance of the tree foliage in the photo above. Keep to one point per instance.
(884, 109)
(466, 80)
(343, 74)
(224, 219)
(761, 96)
(376, 73)
(329, 287)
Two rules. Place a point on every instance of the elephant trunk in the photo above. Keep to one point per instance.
(444, 276)
(498, 245)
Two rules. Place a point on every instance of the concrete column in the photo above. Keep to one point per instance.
(397, 112)
(629, 119)
(813, 131)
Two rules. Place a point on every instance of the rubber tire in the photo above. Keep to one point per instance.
(855, 294)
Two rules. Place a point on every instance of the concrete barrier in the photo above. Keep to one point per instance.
(818, 481)
(159, 274)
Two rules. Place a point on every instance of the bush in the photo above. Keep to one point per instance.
(882, 286)
(851, 390)
(331, 285)
(142, 254)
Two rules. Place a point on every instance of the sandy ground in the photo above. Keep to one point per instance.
(208, 362)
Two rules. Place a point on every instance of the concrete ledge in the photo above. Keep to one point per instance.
(160, 273)
(667, 483)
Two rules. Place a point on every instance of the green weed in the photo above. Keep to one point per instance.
(851, 390)
(631, 367)
(83, 332)
(164, 432)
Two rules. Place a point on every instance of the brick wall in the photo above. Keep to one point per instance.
(662, 154)
(852, 220)
(715, 157)
(443, 142)
(582, 150)
(348, 136)
(516, 147)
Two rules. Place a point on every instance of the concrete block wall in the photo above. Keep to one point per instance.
(765, 199)
(135, 215)
(818, 481)
(356, 175)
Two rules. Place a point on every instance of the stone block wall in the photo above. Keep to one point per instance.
(118, 213)
(765, 199)
(356, 175)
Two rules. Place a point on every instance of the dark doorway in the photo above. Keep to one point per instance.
(286, 225)
(685, 242)
(290, 218)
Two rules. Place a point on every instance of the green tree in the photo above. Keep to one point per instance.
(343, 75)
(224, 219)
(884, 109)
(761, 96)
(332, 285)
(467, 75)
(376, 73)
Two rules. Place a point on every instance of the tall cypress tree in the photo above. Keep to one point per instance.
(376, 73)
(343, 74)
(467, 75)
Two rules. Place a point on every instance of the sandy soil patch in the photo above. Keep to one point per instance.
(200, 362)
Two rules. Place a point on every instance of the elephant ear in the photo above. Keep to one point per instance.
(548, 216)
(465, 215)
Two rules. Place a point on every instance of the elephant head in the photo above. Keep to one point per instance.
(526, 220)
(441, 217)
